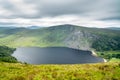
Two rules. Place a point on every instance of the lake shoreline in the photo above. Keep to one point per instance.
(95, 54)
(55, 55)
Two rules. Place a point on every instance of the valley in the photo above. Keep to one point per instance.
(59, 39)
(71, 36)
(105, 43)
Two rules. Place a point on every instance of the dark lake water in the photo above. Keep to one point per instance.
(54, 55)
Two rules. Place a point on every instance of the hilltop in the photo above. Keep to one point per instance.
(62, 35)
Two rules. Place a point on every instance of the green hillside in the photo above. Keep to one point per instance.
(62, 35)
(5, 54)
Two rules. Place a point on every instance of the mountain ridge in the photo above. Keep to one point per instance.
(67, 35)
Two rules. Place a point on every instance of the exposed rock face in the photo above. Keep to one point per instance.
(80, 40)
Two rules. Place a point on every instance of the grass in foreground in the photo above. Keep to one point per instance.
(100, 71)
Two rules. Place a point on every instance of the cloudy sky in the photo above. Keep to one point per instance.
(90, 13)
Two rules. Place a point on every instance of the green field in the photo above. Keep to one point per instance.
(100, 71)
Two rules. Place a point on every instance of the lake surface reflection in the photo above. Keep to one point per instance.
(54, 55)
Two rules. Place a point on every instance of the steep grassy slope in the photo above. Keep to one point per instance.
(106, 71)
(62, 35)
(5, 54)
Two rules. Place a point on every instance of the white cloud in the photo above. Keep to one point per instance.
(91, 13)
(5, 11)
(50, 21)
(24, 8)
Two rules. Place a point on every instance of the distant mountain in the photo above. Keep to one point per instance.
(72, 36)
(34, 27)
(114, 28)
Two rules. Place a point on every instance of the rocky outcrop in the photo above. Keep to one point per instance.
(80, 40)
